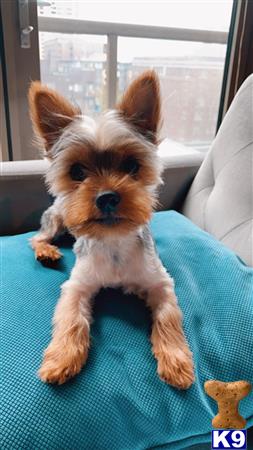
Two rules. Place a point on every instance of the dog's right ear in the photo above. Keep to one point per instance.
(141, 104)
(50, 113)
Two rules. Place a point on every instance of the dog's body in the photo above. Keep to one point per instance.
(104, 176)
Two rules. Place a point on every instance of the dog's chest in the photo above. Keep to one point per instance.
(110, 263)
(106, 258)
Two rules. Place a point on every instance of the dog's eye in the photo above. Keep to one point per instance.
(130, 165)
(77, 172)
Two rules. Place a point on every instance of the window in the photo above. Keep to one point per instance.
(190, 76)
(75, 64)
(90, 51)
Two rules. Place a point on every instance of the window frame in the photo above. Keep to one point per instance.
(238, 63)
(5, 144)
(20, 66)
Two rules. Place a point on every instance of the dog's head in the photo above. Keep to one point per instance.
(106, 171)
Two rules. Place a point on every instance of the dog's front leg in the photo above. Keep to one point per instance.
(175, 364)
(51, 225)
(68, 350)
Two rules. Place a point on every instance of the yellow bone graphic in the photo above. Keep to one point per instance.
(228, 396)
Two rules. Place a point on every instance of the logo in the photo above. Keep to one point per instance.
(229, 439)
(229, 426)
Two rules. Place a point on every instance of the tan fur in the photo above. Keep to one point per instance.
(169, 345)
(135, 208)
(44, 251)
(50, 112)
(147, 103)
(118, 254)
(68, 349)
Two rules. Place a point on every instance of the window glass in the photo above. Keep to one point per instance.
(198, 14)
(190, 75)
(190, 72)
(75, 66)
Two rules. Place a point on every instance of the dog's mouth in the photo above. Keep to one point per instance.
(109, 220)
(105, 221)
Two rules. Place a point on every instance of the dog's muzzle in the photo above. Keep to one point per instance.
(107, 202)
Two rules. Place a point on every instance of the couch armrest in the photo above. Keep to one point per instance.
(178, 173)
(23, 196)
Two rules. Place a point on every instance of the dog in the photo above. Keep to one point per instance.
(104, 176)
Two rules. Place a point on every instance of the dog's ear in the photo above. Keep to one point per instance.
(50, 113)
(141, 104)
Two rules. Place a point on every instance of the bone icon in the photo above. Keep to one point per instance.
(228, 396)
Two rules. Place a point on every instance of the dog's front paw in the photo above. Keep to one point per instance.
(47, 252)
(61, 364)
(175, 367)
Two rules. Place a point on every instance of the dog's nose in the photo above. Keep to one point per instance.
(107, 201)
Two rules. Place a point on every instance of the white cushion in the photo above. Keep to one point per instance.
(220, 199)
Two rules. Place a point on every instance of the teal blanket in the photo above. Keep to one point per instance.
(118, 402)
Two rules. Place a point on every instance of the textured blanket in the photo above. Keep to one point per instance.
(118, 402)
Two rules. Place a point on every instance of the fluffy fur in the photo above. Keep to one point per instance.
(116, 154)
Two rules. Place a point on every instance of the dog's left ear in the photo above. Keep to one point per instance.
(141, 104)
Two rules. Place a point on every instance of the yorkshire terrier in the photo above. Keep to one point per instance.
(104, 176)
